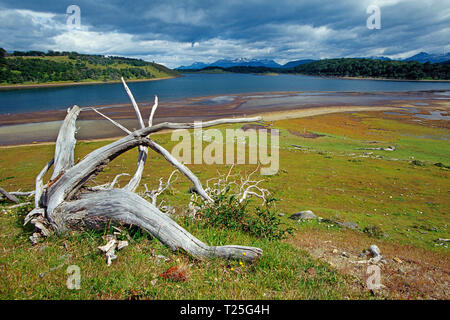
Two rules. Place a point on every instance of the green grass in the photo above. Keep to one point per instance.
(331, 177)
(280, 274)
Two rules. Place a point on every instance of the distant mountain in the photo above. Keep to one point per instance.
(293, 64)
(268, 63)
(226, 63)
(431, 58)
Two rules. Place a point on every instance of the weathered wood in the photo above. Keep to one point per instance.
(112, 121)
(9, 196)
(74, 178)
(152, 114)
(128, 207)
(65, 143)
(39, 184)
(64, 204)
(134, 182)
(185, 170)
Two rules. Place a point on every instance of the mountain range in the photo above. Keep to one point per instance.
(422, 57)
(243, 62)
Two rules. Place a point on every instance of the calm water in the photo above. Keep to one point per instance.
(192, 85)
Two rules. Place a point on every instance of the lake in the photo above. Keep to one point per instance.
(191, 85)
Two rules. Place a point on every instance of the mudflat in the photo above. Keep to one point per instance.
(42, 126)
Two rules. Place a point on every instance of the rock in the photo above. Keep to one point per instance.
(374, 250)
(375, 254)
(345, 254)
(281, 214)
(303, 215)
(349, 224)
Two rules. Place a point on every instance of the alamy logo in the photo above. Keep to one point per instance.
(74, 280)
(228, 149)
(74, 17)
(374, 20)
(373, 282)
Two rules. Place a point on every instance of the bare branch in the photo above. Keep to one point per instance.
(155, 106)
(153, 194)
(39, 185)
(117, 178)
(135, 106)
(205, 124)
(143, 151)
(8, 196)
(112, 121)
(65, 143)
(22, 193)
(177, 164)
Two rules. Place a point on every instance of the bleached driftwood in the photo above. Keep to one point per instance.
(242, 190)
(153, 194)
(66, 203)
(65, 144)
(8, 196)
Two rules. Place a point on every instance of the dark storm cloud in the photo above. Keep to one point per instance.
(180, 32)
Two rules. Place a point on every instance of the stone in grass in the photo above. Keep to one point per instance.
(303, 215)
(348, 224)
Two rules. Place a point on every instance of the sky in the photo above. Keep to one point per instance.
(177, 33)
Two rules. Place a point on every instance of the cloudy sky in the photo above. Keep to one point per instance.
(181, 32)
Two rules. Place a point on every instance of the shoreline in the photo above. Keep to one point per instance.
(41, 127)
(266, 116)
(318, 76)
(81, 83)
(374, 79)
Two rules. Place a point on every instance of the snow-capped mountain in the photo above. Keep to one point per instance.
(240, 62)
(244, 62)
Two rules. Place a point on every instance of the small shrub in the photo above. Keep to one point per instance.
(227, 212)
(418, 163)
(373, 231)
(441, 165)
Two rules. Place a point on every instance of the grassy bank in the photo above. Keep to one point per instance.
(399, 200)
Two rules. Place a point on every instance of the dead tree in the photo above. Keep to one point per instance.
(66, 203)
(8, 195)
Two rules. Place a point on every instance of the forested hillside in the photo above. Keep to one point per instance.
(34, 67)
(371, 68)
(354, 67)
